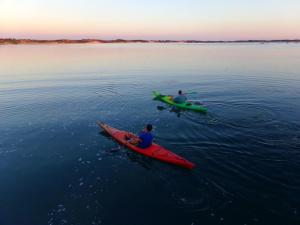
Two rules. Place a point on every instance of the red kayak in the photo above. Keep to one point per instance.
(154, 151)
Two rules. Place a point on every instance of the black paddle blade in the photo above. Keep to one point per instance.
(160, 107)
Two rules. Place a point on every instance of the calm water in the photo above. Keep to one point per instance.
(57, 168)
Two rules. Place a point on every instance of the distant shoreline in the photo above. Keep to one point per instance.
(12, 41)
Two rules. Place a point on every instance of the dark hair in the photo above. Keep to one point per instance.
(180, 92)
(149, 127)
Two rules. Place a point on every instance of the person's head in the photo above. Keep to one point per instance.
(149, 127)
(180, 92)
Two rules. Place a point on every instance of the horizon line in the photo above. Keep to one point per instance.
(120, 40)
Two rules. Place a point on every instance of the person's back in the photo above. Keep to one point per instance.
(146, 139)
(181, 98)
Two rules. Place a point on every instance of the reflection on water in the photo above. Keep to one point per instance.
(56, 168)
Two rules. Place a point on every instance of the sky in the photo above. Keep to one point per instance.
(150, 19)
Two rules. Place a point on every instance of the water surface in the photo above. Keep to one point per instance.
(57, 168)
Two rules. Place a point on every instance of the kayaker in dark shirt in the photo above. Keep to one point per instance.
(144, 139)
(180, 98)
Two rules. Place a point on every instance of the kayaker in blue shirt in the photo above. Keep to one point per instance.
(144, 140)
(180, 98)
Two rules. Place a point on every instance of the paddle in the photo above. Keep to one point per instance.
(196, 102)
(191, 93)
(161, 107)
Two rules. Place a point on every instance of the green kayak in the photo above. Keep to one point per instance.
(187, 105)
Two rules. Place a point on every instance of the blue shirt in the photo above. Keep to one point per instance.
(146, 139)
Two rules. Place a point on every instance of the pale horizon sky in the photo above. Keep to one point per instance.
(150, 19)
